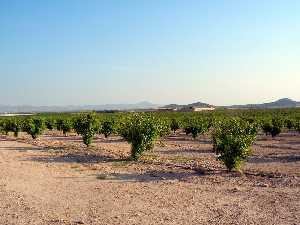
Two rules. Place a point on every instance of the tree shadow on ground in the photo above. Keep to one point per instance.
(108, 140)
(275, 146)
(77, 138)
(23, 149)
(63, 138)
(148, 176)
(184, 151)
(163, 172)
(77, 158)
(293, 143)
(274, 159)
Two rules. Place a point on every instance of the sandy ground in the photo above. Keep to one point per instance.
(56, 180)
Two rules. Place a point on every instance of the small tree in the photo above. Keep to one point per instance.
(297, 126)
(1, 126)
(141, 131)
(196, 126)
(87, 126)
(6, 126)
(163, 127)
(290, 123)
(273, 127)
(50, 123)
(174, 125)
(65, 125)
(108, 127)
(34, 127)
(15, 126)
(232, 140)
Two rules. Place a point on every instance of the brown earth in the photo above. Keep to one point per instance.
(56, 180)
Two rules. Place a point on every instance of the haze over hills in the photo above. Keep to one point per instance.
(73, 108)
(196, 104)
(281, 103)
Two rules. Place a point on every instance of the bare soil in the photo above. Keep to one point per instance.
(57, 180)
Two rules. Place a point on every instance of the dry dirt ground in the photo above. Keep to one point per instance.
(56, 180)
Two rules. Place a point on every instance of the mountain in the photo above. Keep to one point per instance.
(73, 108)
(195, 104)
(281, 103)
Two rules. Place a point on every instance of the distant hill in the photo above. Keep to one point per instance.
(281, 103)
(196, 105)
(72, 108)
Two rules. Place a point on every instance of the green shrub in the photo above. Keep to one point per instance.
(108, 127)
(232, 140)
(87, 126)
(2, 126)
(196, 126)
(273, 127)
(141, 131)
(59, 124)
(297, 126)
(6, 126)
(174, 125)
(34, 127)
(290, 123)
(50, 123)
(15, 126)
(11, 125)
(65, 125)
(163, 127)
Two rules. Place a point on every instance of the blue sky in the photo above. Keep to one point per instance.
(65, 52)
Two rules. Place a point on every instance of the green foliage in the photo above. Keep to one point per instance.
(65, 125)
(87, 126)
(273, 127)
(196, 126)
(11, 125)
(6, 126)
(50, 123)
(141, 131)
(34, 127)
(297, 126)
(232, 140)
(15, 126)
(290, 123)
(163, 127)
(108, 127)
(59, 124)
(174, 125)
(1, 126)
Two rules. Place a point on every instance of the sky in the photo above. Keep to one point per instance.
(80, 52)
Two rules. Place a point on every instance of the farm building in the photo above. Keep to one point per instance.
(195, 109)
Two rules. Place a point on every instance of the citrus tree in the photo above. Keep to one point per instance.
(163, 127)
(15, 126)
(232, 140)
(141, 131)
(297, 126)
(65, 125)
(87, 126)
(6, 126)
(174, 125)
(273, 126)
(34, 127)
(196, 126)
(108, 127)
(50, 123)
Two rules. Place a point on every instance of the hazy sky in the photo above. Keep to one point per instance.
(60, 52)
